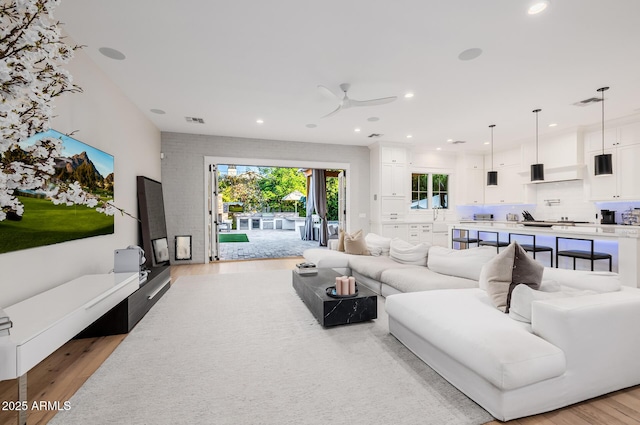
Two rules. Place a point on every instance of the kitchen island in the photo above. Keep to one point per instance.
(622, 242)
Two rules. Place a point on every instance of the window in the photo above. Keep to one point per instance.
(426, 186)
(419, 191)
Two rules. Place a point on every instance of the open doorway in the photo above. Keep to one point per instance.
(261, 211)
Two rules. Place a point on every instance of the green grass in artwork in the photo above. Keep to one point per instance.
(233, 237)
(44, 223)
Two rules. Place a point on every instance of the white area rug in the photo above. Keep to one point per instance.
(244, 349)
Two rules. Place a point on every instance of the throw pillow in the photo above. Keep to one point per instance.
(406, 253)
(355, 244)
(505, 271)
(341, 240)
(377, 243)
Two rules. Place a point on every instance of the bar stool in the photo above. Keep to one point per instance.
(582, 254)
(463, 239)
(495, 242)
(534, 247)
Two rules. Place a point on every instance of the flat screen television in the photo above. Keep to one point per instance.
(43, 222)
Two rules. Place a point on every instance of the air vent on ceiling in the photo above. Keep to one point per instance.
(588, 102)
(374, 135)
(458, 142)
(195, 120)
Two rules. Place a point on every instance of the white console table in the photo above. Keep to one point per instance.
(45, 322)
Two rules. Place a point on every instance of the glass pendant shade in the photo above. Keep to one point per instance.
(603, 164)
(492, 178)
(537, 172)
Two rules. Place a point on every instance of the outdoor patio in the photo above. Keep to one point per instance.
(265, 243)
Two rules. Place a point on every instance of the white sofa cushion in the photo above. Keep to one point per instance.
(378, 244)
(373, 267)
(523, 296)
(327, 258)
(417, 278)
(464, 324)
(594, 281)
(465, 263)
(407, 253)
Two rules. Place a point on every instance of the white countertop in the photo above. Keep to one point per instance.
(591, 229)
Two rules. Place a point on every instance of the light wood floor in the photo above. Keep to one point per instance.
(60, 375)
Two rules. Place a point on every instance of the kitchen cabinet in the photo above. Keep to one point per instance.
(393, 208)
(420, 233)
(393, 179)
(624, 135)
(470, 180)
(400, 230)
(393, 155)
(623, 183)
(510, 188)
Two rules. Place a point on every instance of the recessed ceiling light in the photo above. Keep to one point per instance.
(357, 130)
(409, 136)
(537, 7)
(373, 119)
(553, 124)
(158, 111)
(311, 125)
(438, 149)
(408, 95)
(259, 121)
(486, 143)
(449, 140)
(470, 54)
(112, 53)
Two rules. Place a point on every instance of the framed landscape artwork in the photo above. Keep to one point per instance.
(43, 222)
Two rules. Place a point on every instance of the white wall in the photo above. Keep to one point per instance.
(183, 172)
(104, 118)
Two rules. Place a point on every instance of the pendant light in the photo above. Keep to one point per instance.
(492, 176)
(604, 162)
(537, 170)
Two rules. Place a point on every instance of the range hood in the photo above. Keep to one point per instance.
(557, 174)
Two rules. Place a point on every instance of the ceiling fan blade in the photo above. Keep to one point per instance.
(333, 113)
(327, 92)
(373, 102)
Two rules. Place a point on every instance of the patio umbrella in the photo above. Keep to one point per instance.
(294, 196)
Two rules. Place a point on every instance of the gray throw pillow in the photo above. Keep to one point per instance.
(505, 271)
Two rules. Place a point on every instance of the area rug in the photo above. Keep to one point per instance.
(232, 237)
(244, 349)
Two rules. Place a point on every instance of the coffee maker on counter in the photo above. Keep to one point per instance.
(608, 217)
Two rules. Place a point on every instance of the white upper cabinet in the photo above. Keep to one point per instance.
(393, 155)
(624, 135)
(470, 180)
(393, 179)
(503, 159)
(623, 183)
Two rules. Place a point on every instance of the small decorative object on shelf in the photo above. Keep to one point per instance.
(306, 268)
(345, 287)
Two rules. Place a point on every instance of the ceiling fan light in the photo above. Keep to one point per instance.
(603, 164)
(537, 172)
(492, 178)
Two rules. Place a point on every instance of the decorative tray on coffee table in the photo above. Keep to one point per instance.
(331, 291)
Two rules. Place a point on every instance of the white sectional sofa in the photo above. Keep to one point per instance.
(573, 349)
(387, 276)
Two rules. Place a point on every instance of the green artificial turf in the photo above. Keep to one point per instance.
(233, 237)
(44, 223)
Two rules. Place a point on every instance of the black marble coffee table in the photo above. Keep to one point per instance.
(334, 311)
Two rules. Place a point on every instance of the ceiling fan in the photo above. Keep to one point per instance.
(346, 102)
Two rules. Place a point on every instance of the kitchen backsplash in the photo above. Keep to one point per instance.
(554, 201)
